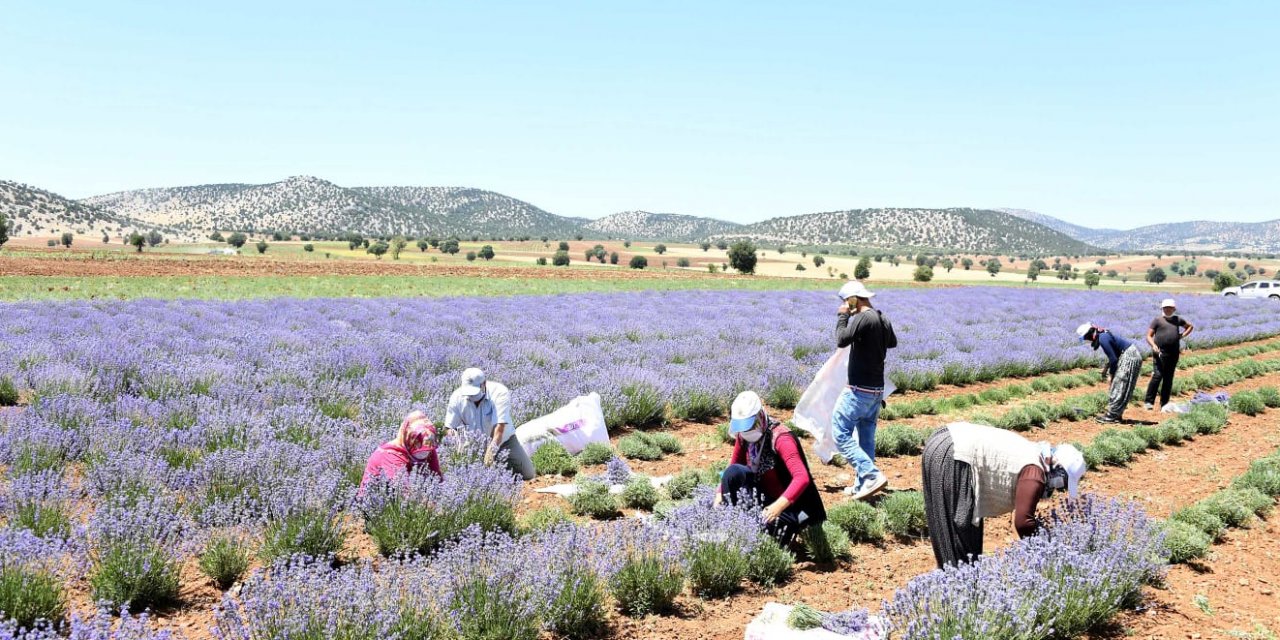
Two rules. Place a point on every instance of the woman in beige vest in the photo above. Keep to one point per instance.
(973, 471)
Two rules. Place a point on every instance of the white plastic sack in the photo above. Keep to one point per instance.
(1176, 407)
(568, 489)
(813, 412)
(575, 425)
(771, 624)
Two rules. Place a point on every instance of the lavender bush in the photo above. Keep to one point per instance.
(135, 550)
(32, 572)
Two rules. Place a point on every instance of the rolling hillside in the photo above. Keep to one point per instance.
(34, 212)
(643, 225)
(957, 230)
(1195, 235)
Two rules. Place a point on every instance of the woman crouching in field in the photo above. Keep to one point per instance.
(413, 449)
(973, 471)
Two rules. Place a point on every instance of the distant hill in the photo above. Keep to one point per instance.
(674, 227)
(1196, 235)
(36, 212)
(312, 205)
(951, 230)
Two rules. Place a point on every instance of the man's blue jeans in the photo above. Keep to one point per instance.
(854, 425)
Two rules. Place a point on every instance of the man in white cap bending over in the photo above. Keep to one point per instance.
(483, 408)
(869, 336)
(1165, 337)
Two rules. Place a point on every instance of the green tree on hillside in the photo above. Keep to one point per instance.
(706, 246)
(4, 229)
(471, 256)
(1092, 279)
(660, 248)
(967, 263)
(742, 255)
(613, 258)
(1033, 272)
(422, 245)
(923, 273)
(217, 237)
(947, 264)
(378, 249)
(262, 246)
(67, 239)
(398, 245)
(863, 269)
(154, 238)
(308, 247)
(564, 246)
(1223, 280)
(137, 240)
(626, 244)
(561, 258)
(1156, 275)
(818, 261)
(639, 262)
(450, 246)
(486, 252)
(993, 266)
(722, 245)
(237, 239)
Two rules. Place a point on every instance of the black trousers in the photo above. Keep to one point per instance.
(738, 482)
(1162, 378)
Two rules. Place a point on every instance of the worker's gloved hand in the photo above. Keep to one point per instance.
(489, 452)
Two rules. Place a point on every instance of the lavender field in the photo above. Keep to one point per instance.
(150, 433)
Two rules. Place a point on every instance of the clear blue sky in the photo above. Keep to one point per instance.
(1102, 113)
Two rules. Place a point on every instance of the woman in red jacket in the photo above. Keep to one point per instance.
(413, 449)
(769, 465)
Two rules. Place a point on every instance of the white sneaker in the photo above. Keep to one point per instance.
(873, 484)
(1148, 406)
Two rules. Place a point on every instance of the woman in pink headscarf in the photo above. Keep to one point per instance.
(413, 449)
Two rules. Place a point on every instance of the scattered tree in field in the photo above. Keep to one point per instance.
(564, 246)
(626, 244)
(433, 241)
(309, 248)
(106, 239)
(800, 267)
(993, 266)
(561, 258)
(818, 261)
(1102, 262)
(450, 246)
(1156, 275)
(1223, 280)
(706, 246)
(378, 249)
(262, 246)
(613, 258)
(137, 240)
(947, 264)
(67, 239)
(639, 262)
(742, 255)
(237, 239)
(422, 245)
(967, 263)
(577, 236)
(711, 268)
(1033, 272)
(660, 248)
(278, 236)
(1092, 279)
(1231, 265)
(863, 269)
(682, 262)
(923, 273)
(154, 238)
(471, 256)
(51, 242)
(217, 237)
(486, 252)
(722, 245)
(398, 245)
(782, 248)
(541, 261)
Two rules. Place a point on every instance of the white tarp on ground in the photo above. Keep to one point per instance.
(813, 412)
(575, 425)
(771, 624)
(566, 490)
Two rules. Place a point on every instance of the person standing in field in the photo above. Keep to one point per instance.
(1165, 337)
(972, 472)
(1124, 364)
(483, 408)
(869, 336)
(769, 465)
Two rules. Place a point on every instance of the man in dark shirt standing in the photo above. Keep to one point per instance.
(1165, 337)
(869, 336)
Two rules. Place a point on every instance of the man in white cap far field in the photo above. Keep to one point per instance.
(869, 336)
(483, 408)
(1165, 337)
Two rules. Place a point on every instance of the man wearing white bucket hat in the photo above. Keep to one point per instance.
(972, 472)
(869, 336)
(482, 407)
(1165, 337)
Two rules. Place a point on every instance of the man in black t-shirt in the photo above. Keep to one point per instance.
(1165, 337)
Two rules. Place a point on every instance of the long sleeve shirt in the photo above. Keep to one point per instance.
(870, 337)
(390, 460)
(770, 482)
(1027, 492)
(1113, 346)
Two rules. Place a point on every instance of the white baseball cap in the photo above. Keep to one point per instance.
(472, 382)
(1168, 302)
(1083, 330)
(744, 411)
(855, 289)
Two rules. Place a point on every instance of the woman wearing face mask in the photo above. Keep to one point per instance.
(413, 449)
(769, 465)
(973, 471)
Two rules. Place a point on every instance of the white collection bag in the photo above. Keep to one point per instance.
(771, 624)
(574, 425)
(813, 412)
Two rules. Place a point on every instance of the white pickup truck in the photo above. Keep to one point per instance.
(1259, 289)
